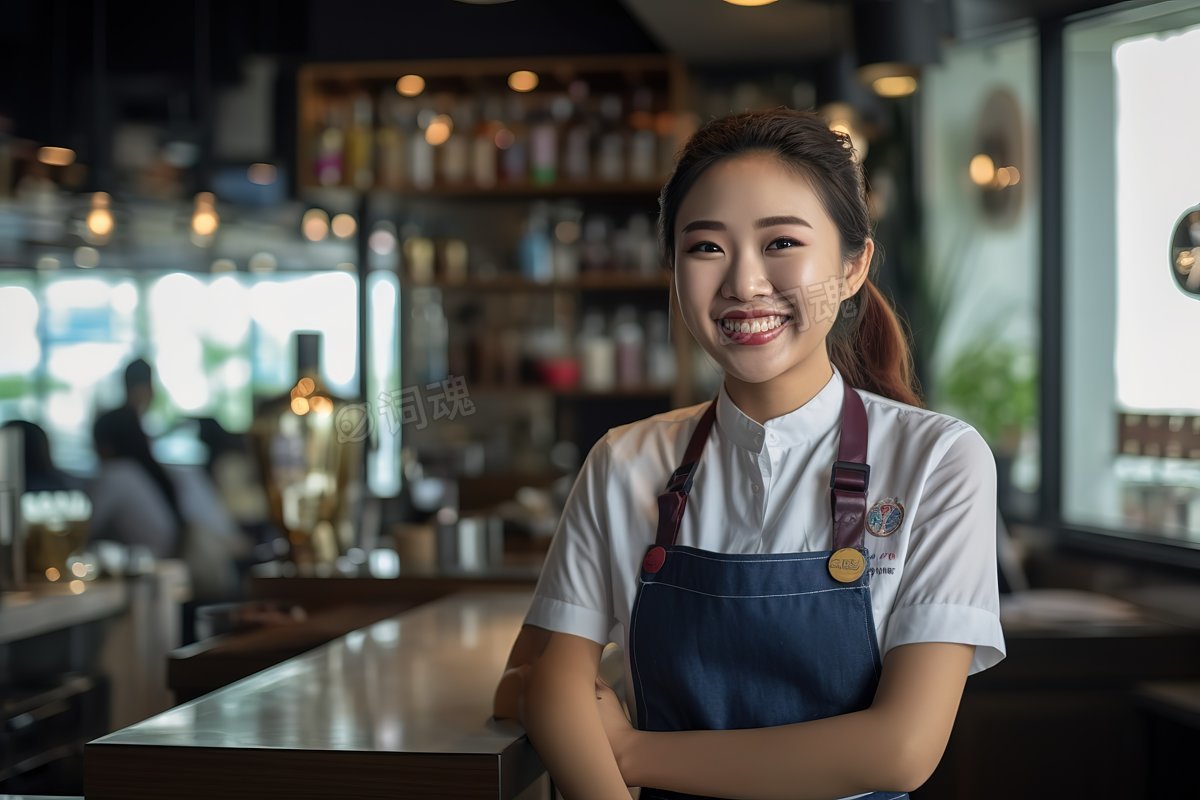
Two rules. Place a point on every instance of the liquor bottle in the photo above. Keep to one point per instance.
(360, 167)
(421, 158)
(577, 147)
(610, 156)
(515, 158)
(597, 354)
(660, 355)
(543, 148)
(329, 161)
(630, 345)
(535, 252)
(456, 151)
(389, 142)
(643, 142)
(483, 145)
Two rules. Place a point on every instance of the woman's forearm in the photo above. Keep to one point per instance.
(833, 757)
(564, 727)
(892, 746)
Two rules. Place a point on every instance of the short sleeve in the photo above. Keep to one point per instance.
(948, 591)
(574, 592)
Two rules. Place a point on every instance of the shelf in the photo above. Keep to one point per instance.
(641, 190)
(602, 282)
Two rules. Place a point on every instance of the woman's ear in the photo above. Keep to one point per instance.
(857, 269)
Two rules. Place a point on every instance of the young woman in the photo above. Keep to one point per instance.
(802, 572)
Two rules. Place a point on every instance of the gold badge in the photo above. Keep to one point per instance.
(847, 565)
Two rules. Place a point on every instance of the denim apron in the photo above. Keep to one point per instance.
(720, 641)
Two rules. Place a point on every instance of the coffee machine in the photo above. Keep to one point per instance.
(12, 532)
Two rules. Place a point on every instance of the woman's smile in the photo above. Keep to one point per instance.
(752, 329)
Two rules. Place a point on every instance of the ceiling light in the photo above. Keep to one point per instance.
(56, 156)
(894, 39)
(523, 80)
(750, 2)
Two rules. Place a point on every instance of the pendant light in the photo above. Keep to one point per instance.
(895, 39)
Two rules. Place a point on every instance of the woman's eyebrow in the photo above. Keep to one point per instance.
(768, 222)
(765, 222)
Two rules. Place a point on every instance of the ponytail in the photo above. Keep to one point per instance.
(868, 346)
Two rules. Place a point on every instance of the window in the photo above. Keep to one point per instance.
(1131, 408)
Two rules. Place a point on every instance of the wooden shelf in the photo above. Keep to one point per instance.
(624, 190)
(601, 282)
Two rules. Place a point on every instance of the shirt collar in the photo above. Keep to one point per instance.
(806, 424)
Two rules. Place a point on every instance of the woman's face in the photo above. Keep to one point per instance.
(758, 267)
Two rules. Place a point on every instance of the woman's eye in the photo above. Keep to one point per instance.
(704, 247)
(782, 243)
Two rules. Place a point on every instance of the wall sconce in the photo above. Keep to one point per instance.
(894, 39)
(998, 157)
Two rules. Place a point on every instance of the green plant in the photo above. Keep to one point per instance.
(992, 384)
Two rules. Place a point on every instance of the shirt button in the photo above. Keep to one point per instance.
(754, 487)
(772, 438)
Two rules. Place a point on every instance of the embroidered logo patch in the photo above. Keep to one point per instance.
(885, 517)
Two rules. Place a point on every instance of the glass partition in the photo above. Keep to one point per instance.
(1131, 435)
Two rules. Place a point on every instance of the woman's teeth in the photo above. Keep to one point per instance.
(756, 325)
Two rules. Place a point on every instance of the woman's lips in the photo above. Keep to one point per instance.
(752, 338)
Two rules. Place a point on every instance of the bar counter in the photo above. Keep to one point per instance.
(401, 708)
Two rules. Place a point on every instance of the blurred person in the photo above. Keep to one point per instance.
(134, 501)
(139, 386)
(175, 512)
(41, 474)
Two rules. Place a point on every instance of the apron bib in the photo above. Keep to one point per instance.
(719, 641)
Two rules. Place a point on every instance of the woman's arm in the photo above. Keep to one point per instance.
(509, 700)
(564, 724)
(892, 746)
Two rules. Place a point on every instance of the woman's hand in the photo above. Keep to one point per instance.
(620, 731)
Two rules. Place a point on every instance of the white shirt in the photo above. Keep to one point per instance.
(765, 489)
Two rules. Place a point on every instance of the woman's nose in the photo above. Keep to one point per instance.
(746, 277)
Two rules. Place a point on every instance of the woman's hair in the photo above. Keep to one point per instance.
(118, 434)
(866, 343)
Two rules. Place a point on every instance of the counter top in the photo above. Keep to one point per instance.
(399, 708)
(53, 606)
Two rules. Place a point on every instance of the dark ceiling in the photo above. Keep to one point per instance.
(149, 53)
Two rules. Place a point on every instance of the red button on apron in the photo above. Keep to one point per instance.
(654, 559)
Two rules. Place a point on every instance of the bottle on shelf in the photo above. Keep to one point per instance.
(660, 355)
(456, 151)
(566, 242)
(643, 141)
(360, 151)
(329, 164)
(421, 158)
(597, 354)
(543, 148)
(390, 143)
(597, 252)
(483, 145)
(630, 348)
(610, 152)
(577, 139)
(535, 251)
(514, 159)
(419, 255)
(642, 255)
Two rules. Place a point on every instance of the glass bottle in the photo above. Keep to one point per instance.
(329, 163)
(389, 142)
(360, 167)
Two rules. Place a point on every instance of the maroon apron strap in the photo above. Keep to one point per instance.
(851, 474)
(672, 502)
(847, 484)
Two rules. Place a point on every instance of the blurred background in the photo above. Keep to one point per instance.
(314, 305)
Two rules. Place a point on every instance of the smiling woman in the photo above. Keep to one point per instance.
(828, 590)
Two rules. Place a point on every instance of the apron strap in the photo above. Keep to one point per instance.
(847, 484)
(672, 502)
(851, 474)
